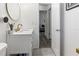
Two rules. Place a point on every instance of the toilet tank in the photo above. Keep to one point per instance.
(3, 47)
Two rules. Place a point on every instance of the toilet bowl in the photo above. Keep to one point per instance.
(3, 47)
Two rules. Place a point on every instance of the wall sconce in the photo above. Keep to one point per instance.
(4, 19)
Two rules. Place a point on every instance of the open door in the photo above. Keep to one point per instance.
(55, 28)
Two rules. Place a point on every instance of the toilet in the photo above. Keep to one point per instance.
(3, 47)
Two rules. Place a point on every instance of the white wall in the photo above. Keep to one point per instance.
(3, 26)
(71, 31)
(29, 19)
(42, 17)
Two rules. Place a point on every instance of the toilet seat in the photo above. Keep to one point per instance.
(3, 47)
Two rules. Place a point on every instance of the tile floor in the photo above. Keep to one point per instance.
(44, 42)
(45, 47)
(43, 52)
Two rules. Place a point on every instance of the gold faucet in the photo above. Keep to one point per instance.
(18, 27)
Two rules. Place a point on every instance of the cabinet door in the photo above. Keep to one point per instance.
(19, 44)
(55, 24)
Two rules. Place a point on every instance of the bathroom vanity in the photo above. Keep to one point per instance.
(20, 43)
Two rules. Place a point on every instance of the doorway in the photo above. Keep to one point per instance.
(44, 28)
(49, 30)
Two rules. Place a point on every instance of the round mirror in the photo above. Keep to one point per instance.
(13, 11)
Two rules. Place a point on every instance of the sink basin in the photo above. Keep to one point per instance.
(27, 31)
(23, 32)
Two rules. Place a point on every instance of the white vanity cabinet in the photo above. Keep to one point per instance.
(19, 43)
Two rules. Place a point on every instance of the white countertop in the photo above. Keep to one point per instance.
(24, 32)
